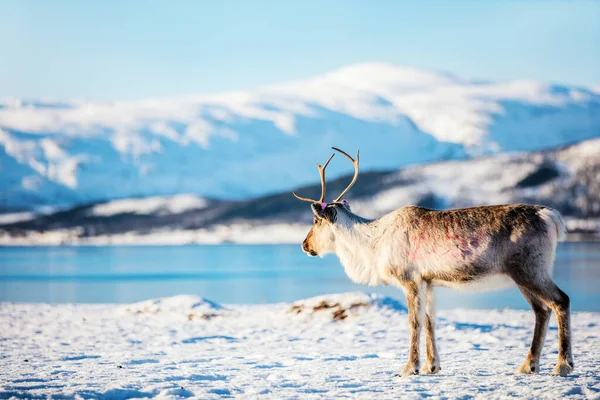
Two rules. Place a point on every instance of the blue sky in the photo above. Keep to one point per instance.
(109, 50)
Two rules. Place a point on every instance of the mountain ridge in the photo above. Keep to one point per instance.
(248, 143)
(564, 178)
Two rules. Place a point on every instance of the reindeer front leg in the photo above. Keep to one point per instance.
(412, 291)
(432, 365)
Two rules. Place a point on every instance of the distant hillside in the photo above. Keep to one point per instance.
(242, 144)
(567, 179)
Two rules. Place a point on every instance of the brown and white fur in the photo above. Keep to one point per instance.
(471, 248)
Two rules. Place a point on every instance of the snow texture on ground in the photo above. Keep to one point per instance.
(335, 346)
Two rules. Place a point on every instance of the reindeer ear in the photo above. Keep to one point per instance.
(319, 209)
(325, 211)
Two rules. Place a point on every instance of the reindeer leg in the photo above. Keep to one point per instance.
(542, 317)
(432, 365)
(413, 290)
(559, 302)
(561, 305)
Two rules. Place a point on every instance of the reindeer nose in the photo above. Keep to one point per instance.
(307, 250)
(305, 246)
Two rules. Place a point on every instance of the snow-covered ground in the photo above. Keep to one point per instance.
(335, 346)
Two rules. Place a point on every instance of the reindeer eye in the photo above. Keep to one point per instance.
(315, 220)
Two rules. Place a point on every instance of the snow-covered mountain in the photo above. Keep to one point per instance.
(567, 179)
(242, 144)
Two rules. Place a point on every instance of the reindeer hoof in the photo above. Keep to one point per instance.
(409, 370)
(563, 368)
(430, 369)
(527, 368)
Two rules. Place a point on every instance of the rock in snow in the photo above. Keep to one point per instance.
(159, 348)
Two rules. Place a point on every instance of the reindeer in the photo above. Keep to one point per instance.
(417, 249)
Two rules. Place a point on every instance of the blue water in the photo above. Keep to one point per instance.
(238, 274)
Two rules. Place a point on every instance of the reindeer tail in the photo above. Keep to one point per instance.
(553, 219)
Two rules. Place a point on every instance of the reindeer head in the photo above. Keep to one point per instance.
(321, 239)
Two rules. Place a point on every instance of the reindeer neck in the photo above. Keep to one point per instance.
(359, 231)
(354, 238)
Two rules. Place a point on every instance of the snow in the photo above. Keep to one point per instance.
(199, 144)
(160, 205)
(241, 233)
(46, 157)
(334, 346)
(449, 108)
(442, 185)
(582, 153)
(10, 218)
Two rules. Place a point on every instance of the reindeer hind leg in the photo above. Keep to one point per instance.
(545, 291)
(542, 317)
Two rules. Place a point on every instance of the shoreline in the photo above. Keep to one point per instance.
(295, 235)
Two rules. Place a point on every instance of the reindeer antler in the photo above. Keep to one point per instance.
(323, 189)
(355, 163)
